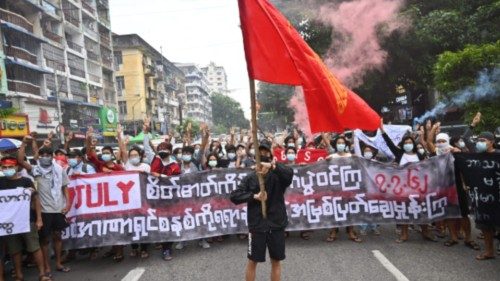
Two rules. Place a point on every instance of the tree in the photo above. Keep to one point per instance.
(274, 113)
(227, 113)
(195, 127)
(456, 70)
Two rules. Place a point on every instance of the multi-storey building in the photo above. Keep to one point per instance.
(148, 84)
(198, 101)
(216, 77)
(60, 49)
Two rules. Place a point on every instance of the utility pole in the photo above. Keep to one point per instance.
(59, 112)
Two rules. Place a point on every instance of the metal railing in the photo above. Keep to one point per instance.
(88, 7)
(16, 19)
(77, 72)
(52, 36)
(55, 65)
(23, 54)
(24, 87)
(93, 56)
(73, 46)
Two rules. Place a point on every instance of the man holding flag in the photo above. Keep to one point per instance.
(265, 230)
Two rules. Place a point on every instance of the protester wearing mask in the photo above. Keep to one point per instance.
(77, 165)
(291, 155)
(231, 155)
(340, 144)
(164, 165)
(486, 144)
(406, 153)
(60, 156)
(268, 232)
(52, 181)
(421, 151)
(11, 180)
(290, 142)
(369, 153)
(243, 160)
(458, 142)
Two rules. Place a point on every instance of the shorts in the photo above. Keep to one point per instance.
(30, 239)
(274, 240)
(52, 222)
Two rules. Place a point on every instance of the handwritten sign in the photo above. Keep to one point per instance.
(14, 211)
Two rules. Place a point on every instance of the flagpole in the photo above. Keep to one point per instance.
(260, 177)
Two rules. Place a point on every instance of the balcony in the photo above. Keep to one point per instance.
(23, 54)
(94, 77)
(93, 56)
(16, 19)
(108, 84)
(107, 62)
(103, 3)
(55, 65)
(104, 20)
(73, 46)
(105, 40)
(49, 8)
(69, 15)
(23, 87)
(149, 70)
(91, 32)
(86, 6)
(52, 36)
(77, 72)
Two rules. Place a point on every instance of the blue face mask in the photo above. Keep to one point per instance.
(481, 146)
(106, 157)
(231, 156)
(340, 147)
(290, 157)
(186, 158)
(9, 173)
(408, 147)
(72, 162)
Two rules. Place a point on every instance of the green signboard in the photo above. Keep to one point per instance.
(109, 121)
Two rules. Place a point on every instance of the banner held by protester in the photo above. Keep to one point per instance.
(14, 211)
(339, 192)
(481, 175)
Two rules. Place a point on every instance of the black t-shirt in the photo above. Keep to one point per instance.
(20, 182)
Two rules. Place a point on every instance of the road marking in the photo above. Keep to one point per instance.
(389, 266)
(134, 275)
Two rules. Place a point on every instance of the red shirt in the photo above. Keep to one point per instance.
(100, 165)
(171, 169)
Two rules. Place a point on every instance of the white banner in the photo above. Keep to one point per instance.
(14, 211)
(116, 192)
(395, 132)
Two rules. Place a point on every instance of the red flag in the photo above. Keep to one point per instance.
(276, 53)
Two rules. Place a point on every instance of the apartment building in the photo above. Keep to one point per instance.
(198, 101)
(148, 84)
(216, 78)
(60, 49)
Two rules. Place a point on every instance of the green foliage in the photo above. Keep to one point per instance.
(456, 70)
(274, 112)
(7, 111)
(227, 113)
(195, 127)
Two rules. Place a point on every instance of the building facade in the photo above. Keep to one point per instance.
(60, 49)
(198, 101)
(148, 84)
(216, 77)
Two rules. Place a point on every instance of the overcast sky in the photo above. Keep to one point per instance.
(196, 31)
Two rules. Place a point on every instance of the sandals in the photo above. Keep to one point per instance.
(118, 258)
(473, 245)
(40, 278)
(356, 239)
(306, 235)
(401, 240)
(483, 257)
(450, 243)
(332, 236)
(63, 269)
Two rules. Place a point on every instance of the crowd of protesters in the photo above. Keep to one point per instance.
(48, 176)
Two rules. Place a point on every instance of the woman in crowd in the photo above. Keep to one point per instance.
(406, 153)
(369, 153)
(340, 144)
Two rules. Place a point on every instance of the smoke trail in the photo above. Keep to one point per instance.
(301, 115)
(487, 86)
(359, 51)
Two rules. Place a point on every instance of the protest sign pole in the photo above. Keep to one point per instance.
(253, 100)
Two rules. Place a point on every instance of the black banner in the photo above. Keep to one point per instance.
(480, 173)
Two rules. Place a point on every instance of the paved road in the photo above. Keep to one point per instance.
(306, 260)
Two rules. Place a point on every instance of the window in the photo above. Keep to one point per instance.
(123, 107)
(120, 85)
(118, 58)
(219, 73)
(219, 84)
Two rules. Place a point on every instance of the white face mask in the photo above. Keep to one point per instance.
(421, 151)
(252, 151)
(368, 155)
(461, 144)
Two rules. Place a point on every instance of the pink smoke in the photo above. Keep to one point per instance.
(301, 116)
(358, 21)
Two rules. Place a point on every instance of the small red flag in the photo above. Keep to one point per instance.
(276, 53)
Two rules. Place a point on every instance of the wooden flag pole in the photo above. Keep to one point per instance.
(260, 177)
